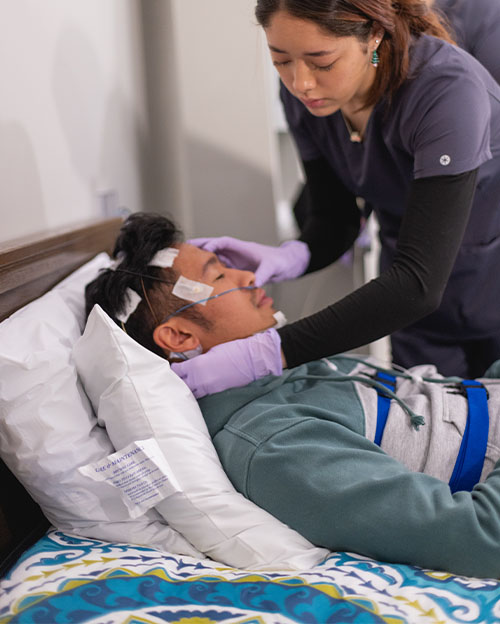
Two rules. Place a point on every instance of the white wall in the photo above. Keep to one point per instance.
(222, 90)
(163, 102)
(222, 82)
(73, 117)
(167, 183)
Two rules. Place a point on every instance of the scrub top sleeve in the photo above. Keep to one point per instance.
(449, 125)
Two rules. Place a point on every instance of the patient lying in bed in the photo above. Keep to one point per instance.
(302, 445)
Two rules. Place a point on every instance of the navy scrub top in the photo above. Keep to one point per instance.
(476, 28)
(444, 120)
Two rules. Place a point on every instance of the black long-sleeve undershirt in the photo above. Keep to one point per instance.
(331, 221)
(430, 235)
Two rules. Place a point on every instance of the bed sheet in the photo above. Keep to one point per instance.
(64, 578)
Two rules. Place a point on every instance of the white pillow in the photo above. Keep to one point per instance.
(138, 397)
(47, 426)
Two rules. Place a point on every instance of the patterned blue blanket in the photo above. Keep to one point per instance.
(64, 579)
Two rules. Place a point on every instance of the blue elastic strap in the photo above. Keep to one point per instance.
(470, 460)
(383, 403)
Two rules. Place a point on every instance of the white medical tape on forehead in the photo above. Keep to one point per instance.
(164, 258)
(132, 301)
(191, 290)
(280, 318)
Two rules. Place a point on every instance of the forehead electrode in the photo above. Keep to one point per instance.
(164, 259)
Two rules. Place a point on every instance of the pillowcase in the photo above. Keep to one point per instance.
(139, 398)
(47, 426)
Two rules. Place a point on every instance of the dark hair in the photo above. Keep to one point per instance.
(400, 21)
(141, 236)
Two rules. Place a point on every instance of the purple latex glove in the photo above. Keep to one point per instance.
(232, 364)
(270, 264)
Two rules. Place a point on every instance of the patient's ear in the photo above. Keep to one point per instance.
(176, 336)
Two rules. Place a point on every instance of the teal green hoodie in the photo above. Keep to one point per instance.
(297, 446)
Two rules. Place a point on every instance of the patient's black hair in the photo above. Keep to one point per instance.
(141, 236)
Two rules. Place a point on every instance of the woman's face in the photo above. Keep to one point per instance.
(325, 72)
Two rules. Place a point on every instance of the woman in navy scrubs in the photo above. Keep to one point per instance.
(382, 106)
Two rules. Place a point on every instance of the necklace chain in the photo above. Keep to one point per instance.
(354, 135)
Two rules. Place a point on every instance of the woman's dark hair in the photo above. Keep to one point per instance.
(400, 21)
(141, 236)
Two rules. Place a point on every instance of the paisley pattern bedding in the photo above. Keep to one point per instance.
(65, 579)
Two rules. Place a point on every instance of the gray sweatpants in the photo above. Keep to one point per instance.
(433, 449)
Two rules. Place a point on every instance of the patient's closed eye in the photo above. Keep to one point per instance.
(220, 270)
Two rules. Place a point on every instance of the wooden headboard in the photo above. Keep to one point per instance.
(29, 267)
(32, 265)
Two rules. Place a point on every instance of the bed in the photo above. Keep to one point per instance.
(92, 574)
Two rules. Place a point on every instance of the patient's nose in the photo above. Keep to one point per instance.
(249, 278)
(245, 278)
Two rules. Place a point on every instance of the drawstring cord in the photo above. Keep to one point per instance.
(365, 378)
(416, 420)
(402, 373)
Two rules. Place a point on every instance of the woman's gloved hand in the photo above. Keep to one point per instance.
(270, 264)
(232, 364)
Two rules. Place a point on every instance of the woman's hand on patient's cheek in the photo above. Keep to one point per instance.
(232, 364)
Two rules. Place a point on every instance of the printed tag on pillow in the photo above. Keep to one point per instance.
(141, 473)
